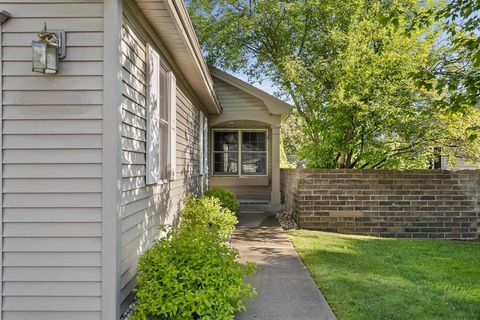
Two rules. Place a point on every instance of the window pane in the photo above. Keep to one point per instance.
(253, 141)
(254, 163)
(226, 141)
(163, 150)
(226, 162)
(163, 94)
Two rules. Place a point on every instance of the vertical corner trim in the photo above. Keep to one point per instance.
(1, 171)
(112, 99)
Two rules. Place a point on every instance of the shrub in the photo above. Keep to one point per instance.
(227, 198)
(206, 214)
(192, 272)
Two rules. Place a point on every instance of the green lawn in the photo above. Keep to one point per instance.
(374, 278)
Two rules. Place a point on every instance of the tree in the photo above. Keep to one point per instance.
(291, 133)
(456, 75)
(348, 72)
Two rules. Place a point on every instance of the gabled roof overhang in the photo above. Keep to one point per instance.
(274, 105)
(171, 22)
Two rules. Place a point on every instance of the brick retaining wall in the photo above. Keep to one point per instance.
(387, 203)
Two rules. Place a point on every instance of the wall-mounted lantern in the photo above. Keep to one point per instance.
(47, 51)
(4, 16)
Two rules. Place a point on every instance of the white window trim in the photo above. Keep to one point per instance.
(152, 151)
(172, 127)
(154, 174)
(205, 146)
(201, 132)
(239, 132)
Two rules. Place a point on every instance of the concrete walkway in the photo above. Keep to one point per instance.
(285, 289)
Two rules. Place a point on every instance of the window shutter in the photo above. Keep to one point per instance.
(153, 117)
(205, 145)
(202, 142)
(172, 121)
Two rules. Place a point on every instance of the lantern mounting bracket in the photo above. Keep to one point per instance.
(60, 35)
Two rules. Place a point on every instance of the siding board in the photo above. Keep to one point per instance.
(52, 315)
(52, 171)
(52, 215)
(29, 83)
(38, 289)
(45, 97)
(51, 259)
(52, 185)
(62, 142)
(52, 126)
(52, 156)
(79, 304)
(53, 274)
(53, 200)
(75, 39)
(70, 68)
(70, 10)
(74, 54)
(52, 112)
(60, 229)
(29, 244)
(72, 23)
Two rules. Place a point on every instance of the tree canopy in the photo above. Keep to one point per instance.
(350, 69)
(456, 74)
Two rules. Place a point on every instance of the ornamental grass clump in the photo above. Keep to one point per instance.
(227, 198)
(192, 272)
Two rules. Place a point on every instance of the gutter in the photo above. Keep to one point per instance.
(187, 26)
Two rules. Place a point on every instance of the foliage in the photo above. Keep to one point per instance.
(348, 66)
(416, 279)
(283, 156)
(461, 131)
(207, 214)
(291, 133)
(227, 198)
(456, 74)
(193, 272)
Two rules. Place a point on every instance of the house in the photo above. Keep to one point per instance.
(97, 155)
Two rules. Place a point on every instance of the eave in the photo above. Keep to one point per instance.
(170, 20)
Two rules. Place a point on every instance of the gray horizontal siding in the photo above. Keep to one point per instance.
(236, 101)
(144, 207)
(52, 164)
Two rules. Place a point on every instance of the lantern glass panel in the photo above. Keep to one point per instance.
(39, 56)
(52, 59)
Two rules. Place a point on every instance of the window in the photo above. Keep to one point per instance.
(254, 153)
(161, 127)
(240, 152)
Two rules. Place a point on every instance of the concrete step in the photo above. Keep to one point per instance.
(253, 205)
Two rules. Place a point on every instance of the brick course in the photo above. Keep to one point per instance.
(388, 203)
